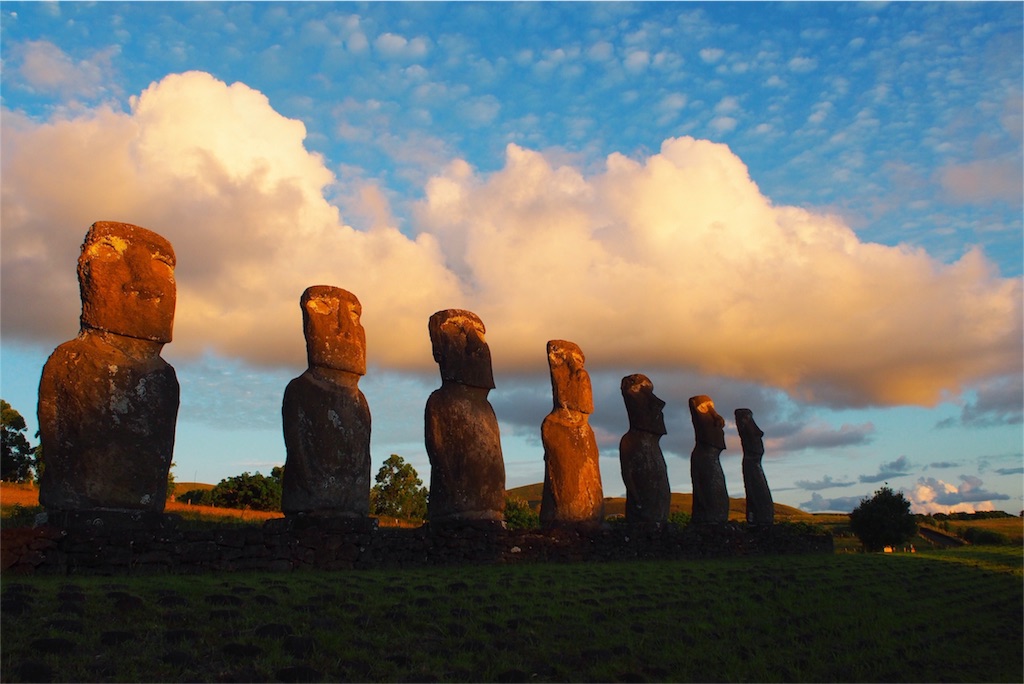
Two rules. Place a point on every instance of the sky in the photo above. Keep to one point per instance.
(811, 210)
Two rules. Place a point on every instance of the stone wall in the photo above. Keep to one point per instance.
(113, 544)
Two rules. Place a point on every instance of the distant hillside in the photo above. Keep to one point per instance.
(182, 487)
(680, 502)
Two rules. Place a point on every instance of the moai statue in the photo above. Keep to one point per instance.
(326, 417)
(710, 496)
(648, 495)
(108, 402)
(572, 475)
(467, 473)
(760, 508)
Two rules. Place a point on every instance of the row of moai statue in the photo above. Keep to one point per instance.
(108, 406)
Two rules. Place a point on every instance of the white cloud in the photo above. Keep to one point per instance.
(887, 471)
(930, 495)
(723, 124)
(601, 51)
(46, 68)
(480, 111)
(711, 55)
(675, 260)
(842, 504)
(396, 46)
(803, 65)
(817, 435)
(228, 180)
(982, 181)
(637, 60)
(673, 102)
(728, 105)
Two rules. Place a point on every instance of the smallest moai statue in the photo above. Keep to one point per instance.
(710, 495)
(760, 508)
(572, 492)
(648, 495)
(326, 417)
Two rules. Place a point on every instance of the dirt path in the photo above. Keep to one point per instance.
(939, 538)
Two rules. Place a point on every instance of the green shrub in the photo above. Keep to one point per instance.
(255, 492)
(976, 535)
(519, 515)
(799, 527)
(19, 515)
(680, 518)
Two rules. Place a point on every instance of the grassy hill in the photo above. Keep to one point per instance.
(182, 487)
(680, 502)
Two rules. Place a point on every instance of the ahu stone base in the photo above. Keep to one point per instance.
(105, 545)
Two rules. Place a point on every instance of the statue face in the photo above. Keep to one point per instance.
(570, 382)
(126, 276)
(334, 336)
(708, 426)
(750, 434)
(645, 410)
(460, 349)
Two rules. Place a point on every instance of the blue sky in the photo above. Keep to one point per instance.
(810, 210)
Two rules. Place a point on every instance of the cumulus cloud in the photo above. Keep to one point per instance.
(684, 238)
(930, 495)
(824, 483)
(228, 180)
(675, 260)
(886, 471)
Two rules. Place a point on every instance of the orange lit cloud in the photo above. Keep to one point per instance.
(674, 260)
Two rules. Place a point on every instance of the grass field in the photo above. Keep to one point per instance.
(938, 616)
(1011, 528)
(26, 496)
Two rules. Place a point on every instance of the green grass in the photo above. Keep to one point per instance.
(936, 616)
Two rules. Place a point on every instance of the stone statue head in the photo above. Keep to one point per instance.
(645, 410)
(570, 382)
(334, 336)
(460, 350)
(126, 277)
(708, 426)
(750, 434)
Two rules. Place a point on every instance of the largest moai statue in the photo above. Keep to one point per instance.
(572, 492)
(710, 496)
(467, 473)
(326, 417)
(108, 402)
(760, 507)
(648, 495)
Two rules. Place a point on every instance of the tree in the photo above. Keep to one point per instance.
(255, 492)
(883, 520)
(170, 482)
(399, 492)
(18, 458)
